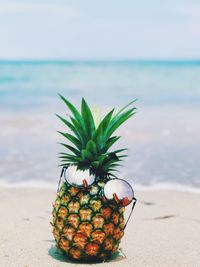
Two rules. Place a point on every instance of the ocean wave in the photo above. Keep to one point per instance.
(137, 187)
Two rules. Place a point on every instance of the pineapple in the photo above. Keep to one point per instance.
(86, 226)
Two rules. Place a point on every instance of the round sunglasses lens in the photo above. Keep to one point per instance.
(78, 178)
(120, 191)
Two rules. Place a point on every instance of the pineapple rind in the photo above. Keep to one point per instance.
(89, 230)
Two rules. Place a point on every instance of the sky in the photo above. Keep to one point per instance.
(99, 29)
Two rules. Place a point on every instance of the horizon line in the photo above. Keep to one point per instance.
(85, 60)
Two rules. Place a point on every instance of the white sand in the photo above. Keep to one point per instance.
(150, 239)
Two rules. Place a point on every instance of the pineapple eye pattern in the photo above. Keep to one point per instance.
(87, 216)
(69, 232)
(83, 229)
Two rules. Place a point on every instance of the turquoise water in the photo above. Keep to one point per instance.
(29, 84)
(163, 138)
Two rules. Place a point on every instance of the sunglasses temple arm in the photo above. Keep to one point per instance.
(135, 200)
(62, 171)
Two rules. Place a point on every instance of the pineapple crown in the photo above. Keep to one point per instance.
(88, 147)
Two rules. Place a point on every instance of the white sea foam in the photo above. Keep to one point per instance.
(29, 184)
(137, 187)
(167, 187)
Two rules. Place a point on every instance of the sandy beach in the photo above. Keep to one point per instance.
(163, 231)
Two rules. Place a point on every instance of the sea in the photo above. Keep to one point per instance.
(163, 137)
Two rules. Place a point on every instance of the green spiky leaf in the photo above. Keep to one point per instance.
(117, 121)
(87, 118)
(86, 155)
(74, 129)
(74, 150)
(72, 109)
(90, 147)
(72, 139)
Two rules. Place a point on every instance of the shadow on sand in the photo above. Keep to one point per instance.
(60, 256)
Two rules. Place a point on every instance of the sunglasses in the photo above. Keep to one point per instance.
(115, 189)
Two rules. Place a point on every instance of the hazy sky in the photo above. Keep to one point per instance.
(103, 29)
